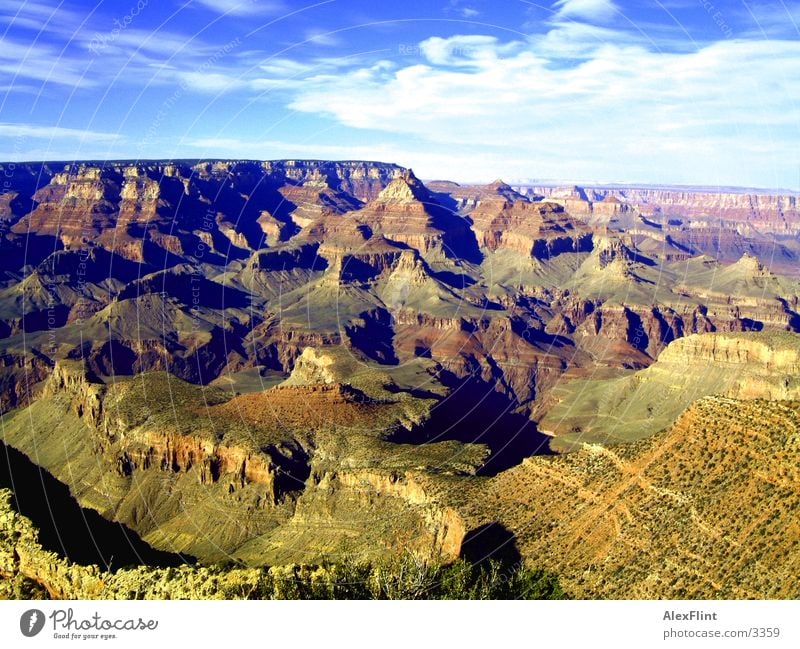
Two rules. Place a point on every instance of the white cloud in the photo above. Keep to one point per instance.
(620, 106)
(55, 132)
(585, 9)
(464, 50)
(19, 60)
(133, 56)
(321, 37)
(464, 10)
(241, 7)
(39, 17)
(272, 74)
(209, 82)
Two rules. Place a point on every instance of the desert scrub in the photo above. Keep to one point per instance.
(30, 572)
(408, 578)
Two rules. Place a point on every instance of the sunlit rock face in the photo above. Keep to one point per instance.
(233, 355)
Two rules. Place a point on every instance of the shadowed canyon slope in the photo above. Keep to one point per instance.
(291, 361)
(214, 268)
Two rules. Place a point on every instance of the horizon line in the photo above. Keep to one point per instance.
(519, 182)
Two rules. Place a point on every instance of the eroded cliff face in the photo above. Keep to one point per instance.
(405, 212)
(767, 354)
(373, 514)
(179, 208)
(635, 335)
(741, 366)
(150, 471)
(244, 273)
(363, 495)
(19, 377)
(27, 571)
(364, 180)
(214, 268)
(197, 471)
(775, 213)
(539, 230)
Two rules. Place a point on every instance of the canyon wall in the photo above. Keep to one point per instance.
(769, 212)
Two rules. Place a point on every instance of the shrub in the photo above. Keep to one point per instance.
(408, 578)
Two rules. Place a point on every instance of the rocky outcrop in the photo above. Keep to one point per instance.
(364, 180)
(338, 501)
(70, 379)
(759, 354)
(20, 375)
(221, 266)
(541, 231)
(279, 347)
(443, 530)
(407, 213)
(317, 366)
(742, 366)
(145, 446)
(124, 207)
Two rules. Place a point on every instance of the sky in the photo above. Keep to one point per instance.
(698, 92)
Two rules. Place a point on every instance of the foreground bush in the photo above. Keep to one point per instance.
(408, 578)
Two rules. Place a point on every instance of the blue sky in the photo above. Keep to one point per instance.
(658, 91)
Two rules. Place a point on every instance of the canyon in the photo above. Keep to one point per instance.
(291, 362)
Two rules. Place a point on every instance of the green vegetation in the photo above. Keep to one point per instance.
(28, 571)
(405, 580)
(408, 578)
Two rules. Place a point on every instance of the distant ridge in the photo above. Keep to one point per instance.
(706, 189)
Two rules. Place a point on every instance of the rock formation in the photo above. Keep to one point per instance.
(741, 366)
(234, 355)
